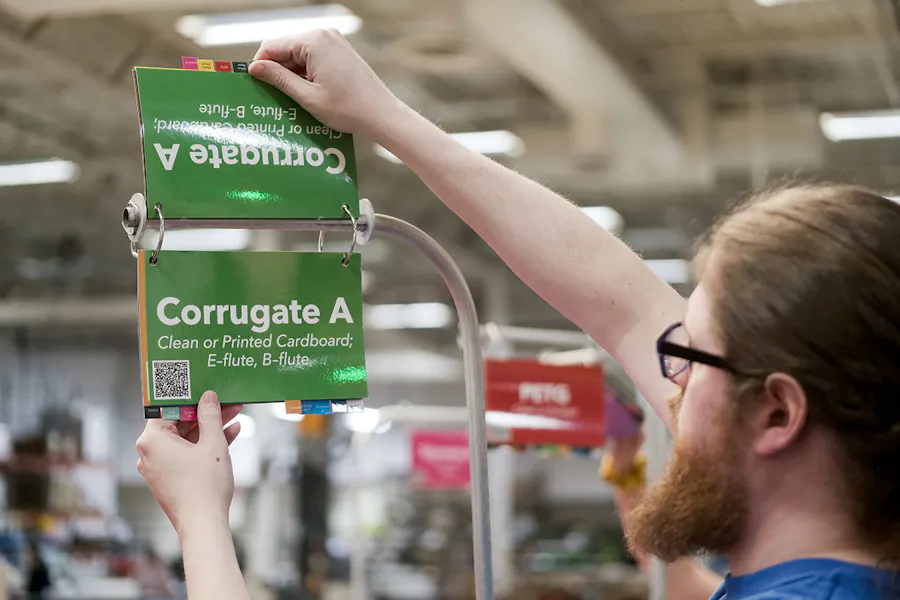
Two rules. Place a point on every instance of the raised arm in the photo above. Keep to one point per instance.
(188, 469)
(587, 274)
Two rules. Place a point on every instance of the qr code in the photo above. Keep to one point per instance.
(171, 380)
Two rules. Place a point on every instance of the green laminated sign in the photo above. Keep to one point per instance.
(226, 146)
(252, 326)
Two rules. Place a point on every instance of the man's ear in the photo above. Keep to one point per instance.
(781, 416)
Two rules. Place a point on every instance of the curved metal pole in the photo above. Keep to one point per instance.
(469, 331)
(474, 375)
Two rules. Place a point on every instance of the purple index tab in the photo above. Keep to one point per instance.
(189, 63)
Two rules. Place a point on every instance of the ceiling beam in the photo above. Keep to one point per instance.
(85, 8)
(542, 41)
(842, 39)
(120, 101)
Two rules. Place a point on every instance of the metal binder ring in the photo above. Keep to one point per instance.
(346, 260)
(321, 239)
(154, 258)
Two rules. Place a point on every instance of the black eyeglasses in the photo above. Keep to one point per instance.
(675, 356)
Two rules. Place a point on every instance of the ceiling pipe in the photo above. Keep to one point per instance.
(87, 8)
(790, 139)
(541, 40)
(106, 312)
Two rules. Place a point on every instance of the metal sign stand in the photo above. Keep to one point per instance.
(135, 220)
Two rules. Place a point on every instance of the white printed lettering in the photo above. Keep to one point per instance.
(167, 157)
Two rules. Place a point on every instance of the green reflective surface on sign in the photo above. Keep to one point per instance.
(252, 326)
(226, 146)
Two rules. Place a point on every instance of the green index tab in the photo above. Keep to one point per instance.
(252, 326)
(226, 146)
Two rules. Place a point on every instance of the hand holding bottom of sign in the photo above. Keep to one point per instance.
(325, 75)
(188, 468)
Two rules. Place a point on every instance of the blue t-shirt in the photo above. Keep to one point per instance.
(812, 579)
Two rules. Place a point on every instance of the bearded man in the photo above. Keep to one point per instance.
(782, 368)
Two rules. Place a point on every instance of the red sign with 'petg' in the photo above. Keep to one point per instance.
(533, 403)
(440, 459)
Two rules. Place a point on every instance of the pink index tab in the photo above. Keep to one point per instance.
(188, 413)
(189, 62)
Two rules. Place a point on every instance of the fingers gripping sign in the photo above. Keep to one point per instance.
(188, 466)
(324, 74)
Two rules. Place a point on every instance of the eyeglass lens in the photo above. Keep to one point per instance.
(675, 365)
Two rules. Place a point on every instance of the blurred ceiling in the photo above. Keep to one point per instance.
(666, 110)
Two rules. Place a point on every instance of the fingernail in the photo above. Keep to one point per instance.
(258, 67)
(209, 397)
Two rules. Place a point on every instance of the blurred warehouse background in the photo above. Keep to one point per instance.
(653, 115)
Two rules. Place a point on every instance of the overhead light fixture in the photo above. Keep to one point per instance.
(489, 143)
(671, 270)
(226, 29)
(423, 315)
(37, 172)
(607, 217)
(412, 365)
(840, 127)
(508, 420)
(200, 239)
(365, 421)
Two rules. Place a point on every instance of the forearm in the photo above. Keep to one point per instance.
(210, 562)
(586, 273)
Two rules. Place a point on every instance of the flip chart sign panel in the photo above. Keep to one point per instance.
(253, 326)
(226, 146)
(533, 403)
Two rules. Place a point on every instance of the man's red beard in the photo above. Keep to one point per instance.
(700, 501)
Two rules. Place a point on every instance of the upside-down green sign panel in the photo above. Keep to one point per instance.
(253, 326)
(226, 146)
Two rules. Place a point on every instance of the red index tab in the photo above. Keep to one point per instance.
(189, 62)
(188, 413)
(533, 403)
(223, 66)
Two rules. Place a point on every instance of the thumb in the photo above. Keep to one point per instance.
(282, 78)
(209, 418)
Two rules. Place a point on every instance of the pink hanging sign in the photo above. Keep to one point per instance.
(440, 459)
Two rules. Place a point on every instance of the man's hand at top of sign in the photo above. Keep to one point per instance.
(324, 74)
(188, 468)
